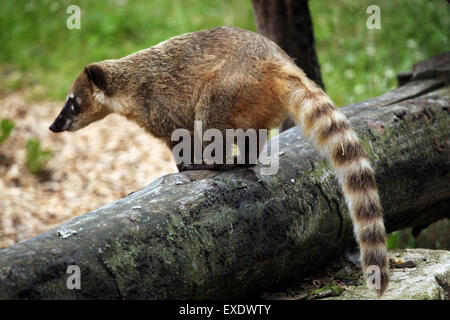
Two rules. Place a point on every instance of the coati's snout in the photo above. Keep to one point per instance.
(81, 107)
(67, 117)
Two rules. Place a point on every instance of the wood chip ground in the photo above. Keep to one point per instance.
(89, 168)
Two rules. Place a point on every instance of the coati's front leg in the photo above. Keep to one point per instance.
(226, 163)
(248, 156)
(219, 119)
(189, 155)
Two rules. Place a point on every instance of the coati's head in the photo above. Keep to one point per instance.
(81, 107)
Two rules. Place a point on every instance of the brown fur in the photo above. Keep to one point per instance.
(231, 78)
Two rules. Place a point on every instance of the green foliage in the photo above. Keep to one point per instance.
(401, 239)
(435, 236)
(357, 63)
(6, 127)
(37, 43)
(393, 240)
(36, 158)
(333, 290)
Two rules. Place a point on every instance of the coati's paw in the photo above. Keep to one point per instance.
(219, 167)
(202, 166)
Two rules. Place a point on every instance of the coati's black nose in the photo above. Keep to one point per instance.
(55, 128)
(52, 127)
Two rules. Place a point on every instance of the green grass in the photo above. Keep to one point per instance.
(36, 157)
(38, 51)
(6, 126)
(359, 63)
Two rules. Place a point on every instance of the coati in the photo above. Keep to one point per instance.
(230, 78)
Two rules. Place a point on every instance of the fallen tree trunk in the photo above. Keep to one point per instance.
(205, 234)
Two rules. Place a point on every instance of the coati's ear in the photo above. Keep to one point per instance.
(96, 76)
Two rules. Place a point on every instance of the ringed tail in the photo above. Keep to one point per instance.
(330, 131)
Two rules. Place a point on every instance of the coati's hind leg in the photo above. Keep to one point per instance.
(249, 150)
(218, 152)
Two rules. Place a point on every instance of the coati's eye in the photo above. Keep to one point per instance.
(74, 104)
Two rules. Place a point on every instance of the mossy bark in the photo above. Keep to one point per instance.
(206, 234)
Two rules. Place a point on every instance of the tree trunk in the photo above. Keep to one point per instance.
(288, 23)
(206, 234)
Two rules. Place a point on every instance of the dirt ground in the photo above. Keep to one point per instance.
(89, 168)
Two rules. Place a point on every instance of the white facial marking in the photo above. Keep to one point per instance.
(67, 124)
(78, 100)
(71, 96)
(113, 103)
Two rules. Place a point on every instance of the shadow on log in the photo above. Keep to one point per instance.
(205, 234)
